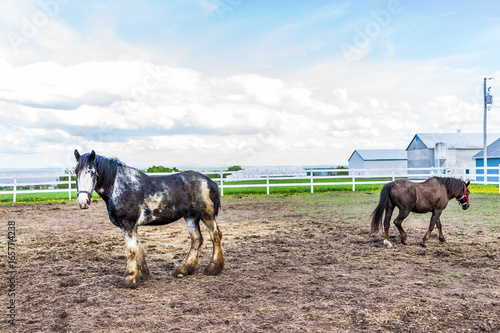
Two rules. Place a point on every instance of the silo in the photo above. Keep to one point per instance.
(440, 154)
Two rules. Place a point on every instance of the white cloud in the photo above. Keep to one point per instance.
(48, 83)
(147, 113)
(95, 105)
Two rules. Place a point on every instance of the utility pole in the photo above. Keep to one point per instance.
(488, 101)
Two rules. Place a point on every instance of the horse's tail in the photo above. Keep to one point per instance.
(215, 198)
(378, 213)
(217, 205)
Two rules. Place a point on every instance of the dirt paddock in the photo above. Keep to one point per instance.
(298, 263)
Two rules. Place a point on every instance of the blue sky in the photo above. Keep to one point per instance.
(224, 82)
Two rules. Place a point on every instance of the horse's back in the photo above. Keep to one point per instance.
(195, 184)
(403, 186)
(418, 197)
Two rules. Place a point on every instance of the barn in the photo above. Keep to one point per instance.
(445, 150)
(493, 161)
(364, 159)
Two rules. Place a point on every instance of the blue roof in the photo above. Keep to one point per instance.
(381, 154)
(454, 140)
(493, 151)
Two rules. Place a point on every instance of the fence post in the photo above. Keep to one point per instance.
(353, 181)
(221, 184)
(312, 181)
(15, 189)
(267, 182)
(393, 174)
(69, 187)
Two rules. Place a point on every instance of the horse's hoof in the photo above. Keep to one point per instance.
(144, 273)
(184, 270)
(423, 244)
(213, 269)
(387, 244)
(403, 241)
(179, 273)
(129, 282)
(442, 240)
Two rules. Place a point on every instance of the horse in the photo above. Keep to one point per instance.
(135, 199)
(432, 195)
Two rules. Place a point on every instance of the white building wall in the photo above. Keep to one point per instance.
(356, 162)
(457, 158)
(463, 158)
(388, 164)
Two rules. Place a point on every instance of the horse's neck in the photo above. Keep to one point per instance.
(451, 192)
(105, 185)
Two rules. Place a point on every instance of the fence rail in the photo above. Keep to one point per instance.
(314, 178)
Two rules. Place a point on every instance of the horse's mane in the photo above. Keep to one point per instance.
(106, 170)
(454, 186)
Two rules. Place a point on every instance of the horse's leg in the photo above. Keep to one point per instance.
(434, 218)
(387, 224)
(441, 236)
(403, 213)
(136, 260)
(217, 263)
(189, 264)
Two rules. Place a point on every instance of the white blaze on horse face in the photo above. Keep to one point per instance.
(85, 183)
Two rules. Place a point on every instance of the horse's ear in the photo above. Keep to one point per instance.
(467, 184)
(92, 157)
(77, 155)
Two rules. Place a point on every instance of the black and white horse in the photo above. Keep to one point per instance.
(134, 199)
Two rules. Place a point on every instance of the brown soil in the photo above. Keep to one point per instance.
(300, 263)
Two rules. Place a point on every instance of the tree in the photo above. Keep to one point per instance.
(235, 168)
(161, 168)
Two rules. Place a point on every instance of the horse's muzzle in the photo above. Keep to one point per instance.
(84, 203)
(466, 206)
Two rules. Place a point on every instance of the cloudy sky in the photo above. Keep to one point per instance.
(239, 82)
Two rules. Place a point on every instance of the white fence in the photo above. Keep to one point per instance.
(313, 179)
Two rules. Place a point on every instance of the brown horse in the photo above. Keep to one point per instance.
(430, 196)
